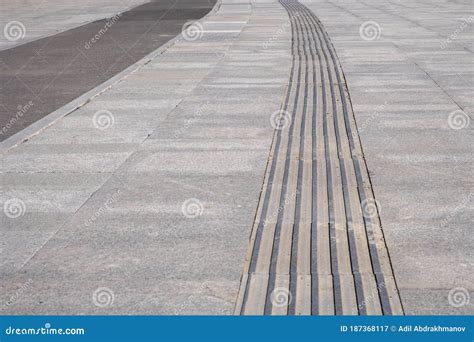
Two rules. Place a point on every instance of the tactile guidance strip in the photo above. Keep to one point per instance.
(317, 245)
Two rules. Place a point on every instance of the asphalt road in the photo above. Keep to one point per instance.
(41, 76)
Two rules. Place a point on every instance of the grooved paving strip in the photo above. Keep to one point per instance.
(317, 245)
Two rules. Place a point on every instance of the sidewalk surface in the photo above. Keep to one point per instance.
(38, 77)
(413, 97)
(143, 200)
(35, 19)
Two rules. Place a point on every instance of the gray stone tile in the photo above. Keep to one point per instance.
(404, 85)
(433, 302)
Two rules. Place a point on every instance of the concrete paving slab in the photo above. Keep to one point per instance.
(434, 301)
(419, 160)
(40, 18)
(154, 211)
(37, 75)
(171, 205)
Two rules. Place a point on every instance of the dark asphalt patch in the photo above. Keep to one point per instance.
(41, 76)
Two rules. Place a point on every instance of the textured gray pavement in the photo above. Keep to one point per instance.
(157, 208)
(41, 76)
(142, 201)
(22, 21)
(412, 88)
(317, 245)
